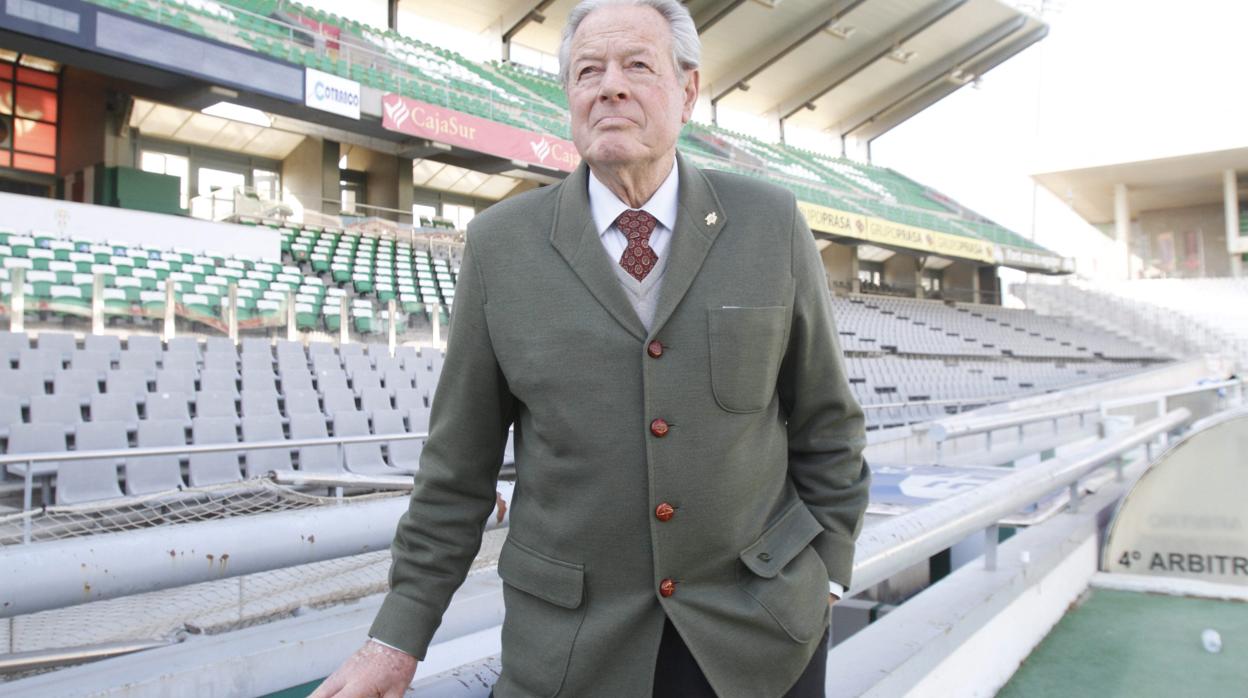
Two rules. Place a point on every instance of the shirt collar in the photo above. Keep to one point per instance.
(605, 206)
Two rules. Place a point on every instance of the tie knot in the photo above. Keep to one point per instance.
(636, 224)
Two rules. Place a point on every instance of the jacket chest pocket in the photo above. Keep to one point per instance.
(543, 598)
(746, 346)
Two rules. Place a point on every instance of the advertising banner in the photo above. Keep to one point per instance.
(878, 230)
(416, 118)
(331, 93)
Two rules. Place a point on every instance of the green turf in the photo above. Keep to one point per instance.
(1120, 643)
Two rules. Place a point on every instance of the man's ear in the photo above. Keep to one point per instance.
(692, 85)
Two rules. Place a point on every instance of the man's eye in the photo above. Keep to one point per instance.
(587, 70)
(640, 64)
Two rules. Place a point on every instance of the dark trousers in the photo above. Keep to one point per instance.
(677, 675)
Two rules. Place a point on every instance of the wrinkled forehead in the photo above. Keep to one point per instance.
(621, 30)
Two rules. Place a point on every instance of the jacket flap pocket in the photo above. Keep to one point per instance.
(782, 541)
(560, 583)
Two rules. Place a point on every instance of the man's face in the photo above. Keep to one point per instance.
(628, 101)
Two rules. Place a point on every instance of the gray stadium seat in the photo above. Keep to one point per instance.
(326, 362)
(115, 407)
(296, 381)
(354, 365)
(315, 348)
(145, 343)
(35, 438)
(172, 380)
(404, 455)
(169, 406)
(264, 428)
(260, 403)
(374, 399)
(10, 413)
(80, 383)
(363, 459)
(408, 398)
(303, 402)
(22, 384)
(179, 361)
(95, 479)
(227, 381)
(339, 400)
(288, 347)
(40, 361)
(383, 364)
(257, 345)
(418, 420)
(345, 350)
(109, 345)
(254, 361)
(261, 379)
(216, 403)
(220, 361)
(214, 468)
(148, 474)
(127, 381)
(415, 362)
(331, 380)
(140, 360)
(292, 362)
(65, 410)
(223, 345)
(98, 361)
(60, 343)
(11, 346)
(397, 379)
(183, 344)
(314, 459)
(365, 381)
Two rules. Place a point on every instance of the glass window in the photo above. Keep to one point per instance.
(459, 215)
(216, 193)
(34, 163)
(267, 184)
(36, 77)
(34, 103)
(6, 97)
(174, 165)
(34, 137)
(420, 211)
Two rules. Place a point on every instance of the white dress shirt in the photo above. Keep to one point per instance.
(605, 207)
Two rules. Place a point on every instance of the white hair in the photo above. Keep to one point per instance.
(686, 46)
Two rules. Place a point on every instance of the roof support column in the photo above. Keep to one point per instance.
(976, 296)
(1230, 203)
(855, 283)
(1122, 226)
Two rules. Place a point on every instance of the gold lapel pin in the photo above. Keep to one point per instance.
(711, 218)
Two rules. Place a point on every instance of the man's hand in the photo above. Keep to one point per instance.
(374, 671)
(833, 598)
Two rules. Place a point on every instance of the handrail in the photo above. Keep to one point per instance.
(944, 431)
(908, 539)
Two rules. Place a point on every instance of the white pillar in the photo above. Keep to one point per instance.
(1230, 202)
(855, 284)
(976, 296)
(1122, 226)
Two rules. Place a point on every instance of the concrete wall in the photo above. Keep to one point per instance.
(1183, 242)
(83, 121)
(838, 262)
(302, 183)
(899, 270)
(959, 280)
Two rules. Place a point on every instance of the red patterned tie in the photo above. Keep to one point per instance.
(638, 258)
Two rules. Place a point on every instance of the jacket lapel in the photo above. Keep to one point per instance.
(574, 237)
(699, 219)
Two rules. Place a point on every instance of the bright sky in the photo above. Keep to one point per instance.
(1116, 81)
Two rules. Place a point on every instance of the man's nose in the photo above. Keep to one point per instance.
(614, 85)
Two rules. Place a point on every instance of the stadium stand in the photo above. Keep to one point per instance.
(527, 98)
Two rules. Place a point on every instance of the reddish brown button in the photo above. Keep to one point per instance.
(655, 349)
(664, 511)
(659, 428)
(667, 587)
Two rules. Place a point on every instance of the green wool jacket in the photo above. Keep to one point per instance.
(761, 461)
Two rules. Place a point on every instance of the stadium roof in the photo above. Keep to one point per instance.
(855, 68)
(1172, 182)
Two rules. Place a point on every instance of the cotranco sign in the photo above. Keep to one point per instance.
(331, 93)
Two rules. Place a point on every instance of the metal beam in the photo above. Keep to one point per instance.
(855, 64)
(939, 71)
(804, 32)
(943, 88)
(706, 17)
(519, 18)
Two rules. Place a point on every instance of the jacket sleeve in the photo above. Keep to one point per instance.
(826, 428)
(454, 489)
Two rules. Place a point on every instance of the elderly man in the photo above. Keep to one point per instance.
(689, 461)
